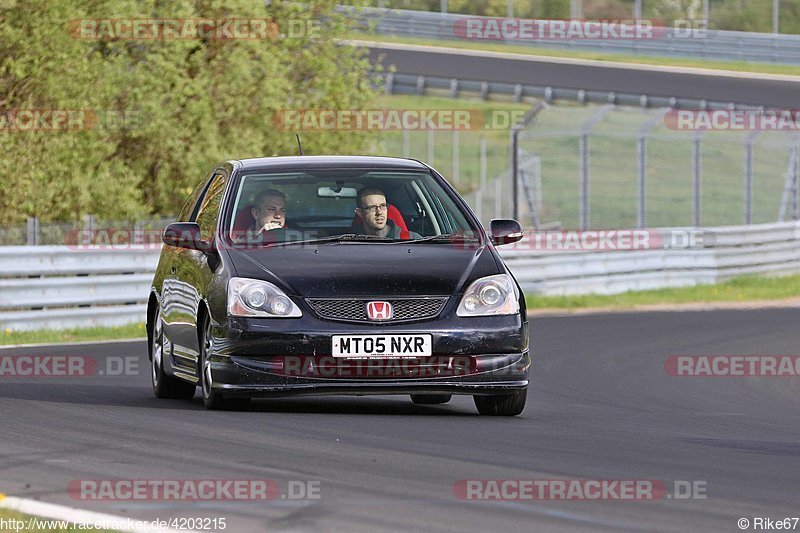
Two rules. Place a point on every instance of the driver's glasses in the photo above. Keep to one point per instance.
(375, 208)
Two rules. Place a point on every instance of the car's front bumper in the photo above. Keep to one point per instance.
(293, 357)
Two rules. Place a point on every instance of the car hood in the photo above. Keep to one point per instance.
(366, 269)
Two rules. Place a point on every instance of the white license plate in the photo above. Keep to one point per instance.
(382, 345)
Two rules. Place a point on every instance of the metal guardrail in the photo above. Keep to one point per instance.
(728, 252)
(713, 44)
(425, 85)
(58, 287)
(79, 288)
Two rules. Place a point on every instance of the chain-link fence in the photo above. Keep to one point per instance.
(623, 167)
(579, 167)
(476, 163)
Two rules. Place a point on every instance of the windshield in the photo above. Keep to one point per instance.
(344, 205)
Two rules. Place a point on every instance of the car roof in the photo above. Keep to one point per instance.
(310, 162)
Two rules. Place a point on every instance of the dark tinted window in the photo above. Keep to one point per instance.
(323, 203)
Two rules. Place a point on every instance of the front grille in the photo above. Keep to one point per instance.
(356, 309)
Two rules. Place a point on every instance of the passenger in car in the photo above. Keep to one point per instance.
(374, 213)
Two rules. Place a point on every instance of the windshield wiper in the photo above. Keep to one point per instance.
(446, 238)
(345, 237)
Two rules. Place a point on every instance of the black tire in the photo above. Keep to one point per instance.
(502, 405)
(430, 399)
(165, 386)
(213, 399)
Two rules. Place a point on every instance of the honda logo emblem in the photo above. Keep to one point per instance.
(380, 311)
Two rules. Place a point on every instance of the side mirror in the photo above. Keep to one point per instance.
(184, 235)
(505, 231)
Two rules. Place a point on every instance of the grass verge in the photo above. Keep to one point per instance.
(741, 289)
(45, 336)
(30, 524)
(739, 66)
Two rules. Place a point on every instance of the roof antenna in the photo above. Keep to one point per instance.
(298, 143)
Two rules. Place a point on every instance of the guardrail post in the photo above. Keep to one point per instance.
(788, 184)
(795, 186)
(456, 156)
(138, 237)
(498, 198)
(576, 9)
(33, 236)
(537, 183)
(390, 83)
(641, 171)
(481, 180)
(696, 155)
(88, 230)
(748, 177)
(518, 93)
(776, 17)
(514, 172)
(583, 158)
(454, 88)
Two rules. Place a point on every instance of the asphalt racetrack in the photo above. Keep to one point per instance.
(749, 89)
(601, 407)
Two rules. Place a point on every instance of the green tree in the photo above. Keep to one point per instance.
(753, 15)
(187, 103)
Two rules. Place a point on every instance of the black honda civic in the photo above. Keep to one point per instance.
(336, 275)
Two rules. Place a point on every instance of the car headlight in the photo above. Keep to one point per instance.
(252, 297)
(492, 295)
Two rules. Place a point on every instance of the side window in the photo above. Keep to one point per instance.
(209, 208)
(189, 206)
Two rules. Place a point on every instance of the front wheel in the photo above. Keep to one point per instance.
(502, 405)
(164, 385)
(213, 399)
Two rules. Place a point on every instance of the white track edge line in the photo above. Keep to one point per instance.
(72, 514)
(77, 343)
